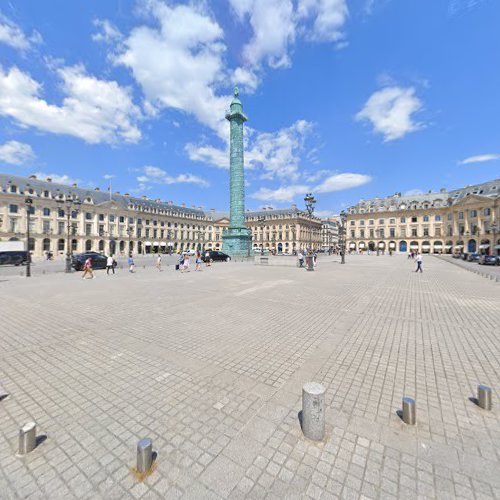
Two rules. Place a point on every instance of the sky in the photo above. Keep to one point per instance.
(347, 99)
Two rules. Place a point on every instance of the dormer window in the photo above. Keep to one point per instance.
(13, 189)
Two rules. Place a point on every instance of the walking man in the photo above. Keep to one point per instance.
(158, 262)
(110, 265)
(131, 264)
(419, 263)
(301, 258)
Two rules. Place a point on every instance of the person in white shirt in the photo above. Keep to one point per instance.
(110, 264)
(419, 263)
(158, 262)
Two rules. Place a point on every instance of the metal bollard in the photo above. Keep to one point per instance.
(27, 438)
(409, 411)
(313, 411)
(484, 397)
(144, 455)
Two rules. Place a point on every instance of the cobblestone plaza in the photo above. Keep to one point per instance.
(211, 366)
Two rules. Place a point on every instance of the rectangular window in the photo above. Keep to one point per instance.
(139, 232)
(450, 216)
(46, 212)
(371, 222)
(426, 218)
(155, 233)
(437, 218)
(147, 233)
(101, 217)
(372, 233)
(392, 221)
(473, 213)
(460, 215)
(88, 216)
(450, 231)
(353, 222)
(111, 218)
(361, 222)
(381, 221)
(426, 231)
(353, 233)
(437, 231)
(13, 209)
(392, 232)
(101, 230)
(13, 189)
(414, 219)
(402, 220)
(46, 226)
(13, 225)
(74, 214)
(362, 233)
(88, 229)
(122, 219)
(487, 211)
(60, 212)
(130, 220)
(402, 230)
(60, 228)
(414, 232)
(381, 233)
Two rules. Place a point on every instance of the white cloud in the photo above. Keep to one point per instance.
(274, 154)
(339, 182)
(390, 112)
(329, 18)
(12, 34)
(16, 153)
(108, 176)
(179, 61)
(93, 110)
(106, 33)
(155, 175)
(413, 192)
(273, 27)
(282, 194)
(58, 179)
(480, 158)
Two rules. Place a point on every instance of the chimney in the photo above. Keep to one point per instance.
(442, 190)
(33, 176)
(170, 202)
(193, 206)
(183, 205)
(97, 189)
(144, 197)
(294, 206)
(117, 192)
(75, 185)
(126, 194)
(158, 200)
(48, 179)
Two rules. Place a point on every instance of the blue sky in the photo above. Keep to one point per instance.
(348, 99)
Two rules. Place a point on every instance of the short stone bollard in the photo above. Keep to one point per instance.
(313, 411)
(144, 455)
(27, 438)
(484, 397)
(409, 411)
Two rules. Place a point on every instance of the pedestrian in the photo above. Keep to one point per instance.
(87, 269)
(419, 263)
(158, 262)
(110, 265)
(301, 258)
(131, 264)
(198, 262)
(185, 264)
(180, 265)
(208, 261)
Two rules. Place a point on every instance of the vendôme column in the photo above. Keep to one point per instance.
(236, 240)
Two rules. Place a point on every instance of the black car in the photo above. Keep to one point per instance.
(473, 257)
(13, 258)
(489, 260)
(98, 261)
(463, 256)
(215, 255)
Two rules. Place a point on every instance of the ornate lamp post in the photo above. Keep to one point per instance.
(310, 202)
(262, 225)
(72, 204)
(342, 231)
(292, 229)
(129, 234)
(29, 204)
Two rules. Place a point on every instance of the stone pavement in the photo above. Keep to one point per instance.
(210, 366)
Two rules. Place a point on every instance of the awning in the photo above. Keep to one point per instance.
(448, 246)
(426, 246)
(362, 245)
(459, 246)
(352, 245)
(414, 245)
(392, 245)
(485, 246)
(381, 244)
(497, 247)
(147, 244)
(156, 244)
(438, 245)
(163, 244)
(170, 244)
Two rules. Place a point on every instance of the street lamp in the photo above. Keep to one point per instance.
(129, 234)
(292, 229)
(72, 204)
(310, 202)
(342, 230)
(262, 225)
(29, 206)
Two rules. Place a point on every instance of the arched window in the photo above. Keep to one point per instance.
(88, 245)
(101, 246)
(46, 244)
(74, 245)
(60, 245)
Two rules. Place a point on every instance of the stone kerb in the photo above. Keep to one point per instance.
(273, 260)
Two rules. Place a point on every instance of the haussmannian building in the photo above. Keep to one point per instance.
(119, 224)
(462, 220)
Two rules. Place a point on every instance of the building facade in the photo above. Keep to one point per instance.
(463, 220)
(116, 224)
(330, 234)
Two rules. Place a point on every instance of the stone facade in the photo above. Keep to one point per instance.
(463, 220)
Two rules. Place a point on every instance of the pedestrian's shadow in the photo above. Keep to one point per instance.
(3, 396)
(399, 413)
(300, 416)
(40, 439)
(474, 400)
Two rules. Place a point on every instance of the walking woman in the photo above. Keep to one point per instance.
(185, 266)
(87, 269)
(198, 262)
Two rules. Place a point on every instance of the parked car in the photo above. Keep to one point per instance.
(189, 252)
(13, 258)
(98, 261)
(463, 256)
(489, 260)
(473, 257)
(216, 255)
(456, 255)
